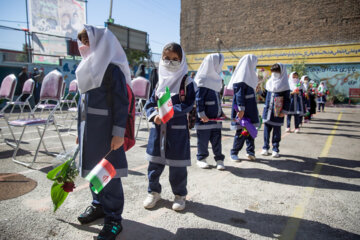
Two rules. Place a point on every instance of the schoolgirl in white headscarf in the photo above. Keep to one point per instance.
(278, 82)
(104, 49)
(208, 105)
(245, 72)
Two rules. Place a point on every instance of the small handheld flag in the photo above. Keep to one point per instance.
(165, 105)
(101, 175)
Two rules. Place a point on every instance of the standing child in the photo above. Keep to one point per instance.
(103, 72)
(169, 143)
(312, 98)
(321, 96)
(208, 105)
(296, 102)
(306, 96)
(277, 104)
(244, 82)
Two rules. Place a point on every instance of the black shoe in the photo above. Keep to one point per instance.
(110, 231)
(91, 213)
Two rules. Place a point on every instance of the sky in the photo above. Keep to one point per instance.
(159, 18)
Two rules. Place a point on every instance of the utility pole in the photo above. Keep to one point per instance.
(111, 20)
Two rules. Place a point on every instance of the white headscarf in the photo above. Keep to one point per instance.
(305, 85)
(292, 83)
(278, 84)
(171, 79)
(208, 73)
(104, 49)
(245, 72)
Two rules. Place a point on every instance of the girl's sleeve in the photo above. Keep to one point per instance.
(183, 108)
(120, 103)
(286, 104)
(150, 109)
(240, 96)
(200, 101)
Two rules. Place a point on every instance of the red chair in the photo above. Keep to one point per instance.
(141, 90)
(7, 92)
(28, 89)
(51, 89)
(229, 94)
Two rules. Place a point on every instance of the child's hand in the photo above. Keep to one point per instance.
(205, 119)
(157, 120)
(77, 140)
(116, 142)
(240, 114)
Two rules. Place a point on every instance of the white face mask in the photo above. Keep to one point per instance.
(295, 80)
(276, 75)
(172, 66)
(84, 51)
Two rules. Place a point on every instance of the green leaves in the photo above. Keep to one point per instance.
(53, 174)
(58, 195)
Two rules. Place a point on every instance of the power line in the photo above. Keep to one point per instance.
(11, 21)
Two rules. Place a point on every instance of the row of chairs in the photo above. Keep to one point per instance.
(52, 100)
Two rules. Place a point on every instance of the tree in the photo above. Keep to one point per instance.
(135, 57)
(299, 66)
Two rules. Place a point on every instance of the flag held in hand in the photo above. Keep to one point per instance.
(101, 175)
(166, 110)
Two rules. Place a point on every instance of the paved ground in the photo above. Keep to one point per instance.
(311, 192)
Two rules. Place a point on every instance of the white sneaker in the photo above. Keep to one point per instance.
(151, 200)
(297, 130)
(179, 203)
(265, 152)
(275, 154)
(251, 157)
(220, 165)
(235, 158)
(202, 164)
(287, 130)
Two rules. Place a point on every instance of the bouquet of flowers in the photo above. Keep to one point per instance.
(63, 177)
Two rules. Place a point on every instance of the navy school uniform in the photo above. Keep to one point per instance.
(208, 103)
(296, 108)
(169, 144)
(274, 123)
(245, 99)
(97, 124)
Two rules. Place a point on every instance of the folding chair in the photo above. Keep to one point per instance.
(141, 89)
(28, 88)
(70, 101)
(227, 93)
(51, 89)
(7, 92)
(46, 105)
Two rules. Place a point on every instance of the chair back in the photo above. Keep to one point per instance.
(8, 87)
(73, 87)
(228, 92)
(51, 88)
(28, 87)
(141, 87)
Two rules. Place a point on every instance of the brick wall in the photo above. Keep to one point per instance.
(248, 24)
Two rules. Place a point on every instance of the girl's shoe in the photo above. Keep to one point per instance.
(297, 130)
(220, 165)
(235, 158)
(265, 152)
(179, 203)
(251, 157)
(151, 200)
(287, 130)
(275, 154)
(202, 164)
(110, 231)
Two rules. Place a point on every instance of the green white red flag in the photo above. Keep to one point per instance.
(101, 175)
(166, 110)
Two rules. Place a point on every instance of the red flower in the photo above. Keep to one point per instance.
(245, 133)
(68, 186)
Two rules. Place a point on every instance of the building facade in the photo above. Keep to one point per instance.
(325, 34)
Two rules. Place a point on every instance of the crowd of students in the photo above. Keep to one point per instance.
(102, 127)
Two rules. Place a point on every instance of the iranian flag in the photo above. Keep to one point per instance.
(101, 175)
(165, 105)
